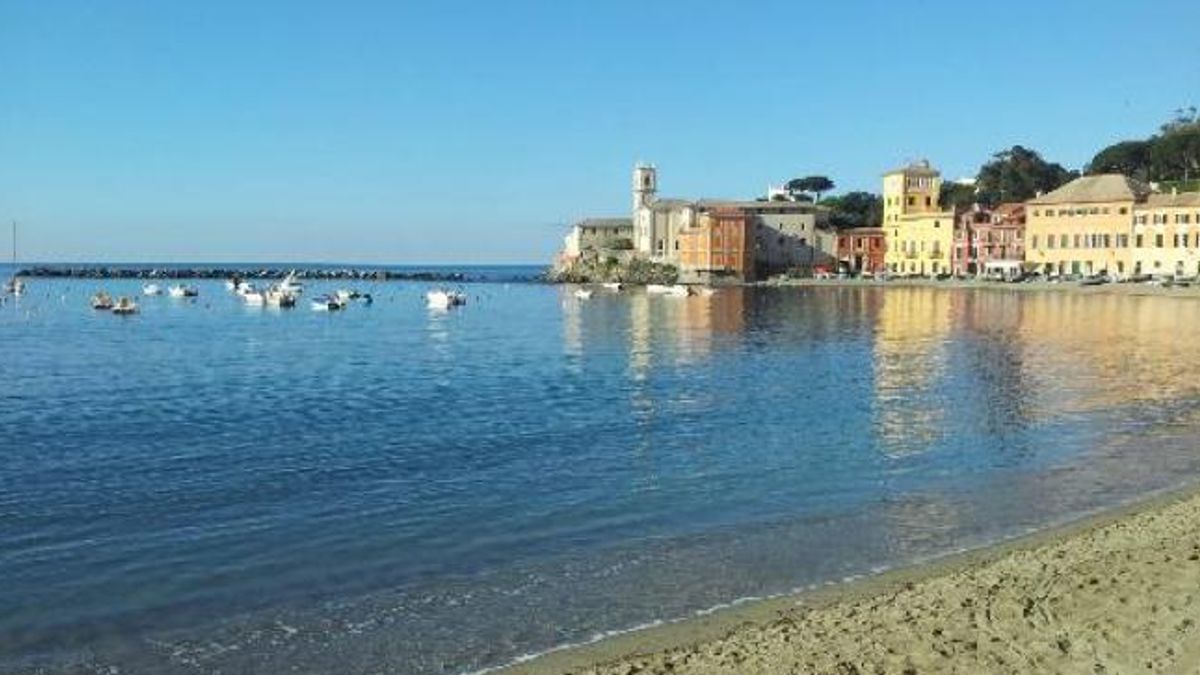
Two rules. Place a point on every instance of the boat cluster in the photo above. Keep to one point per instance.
(287, 292)
(123, 305)
(672, 290)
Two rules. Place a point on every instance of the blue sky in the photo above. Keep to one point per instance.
(424, 132)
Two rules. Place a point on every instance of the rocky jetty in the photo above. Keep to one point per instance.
(312, 273)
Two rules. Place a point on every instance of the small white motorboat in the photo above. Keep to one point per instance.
(181, 291)
(613, 286)
(125, 305)
(444, 299)
(244, 287)
(677, 290)
(276, 297)
(102, 301)
(708, 291)
(152, 289)
(254, 298)
(583, 293)
(327, 303)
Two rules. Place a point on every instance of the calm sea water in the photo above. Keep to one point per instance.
(209, 488)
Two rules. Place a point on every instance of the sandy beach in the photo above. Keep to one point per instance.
(1112, 594)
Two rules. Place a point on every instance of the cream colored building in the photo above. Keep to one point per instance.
(1084, 227)
(919, 235)
(1166, 235)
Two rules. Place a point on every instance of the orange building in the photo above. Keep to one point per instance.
(861, 250)
(720, 245)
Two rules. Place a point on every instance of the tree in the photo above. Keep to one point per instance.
(1018, 174)
(957, 195)
(1131, 158)
(1176, 155)
(855, 209)
(811, 184)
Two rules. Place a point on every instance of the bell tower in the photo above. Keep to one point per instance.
(645, 185)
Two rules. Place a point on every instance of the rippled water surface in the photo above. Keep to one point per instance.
(210, 488)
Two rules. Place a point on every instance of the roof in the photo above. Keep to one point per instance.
(804, 207)
(863, 231)
(1105, 187)
(1009, 208)
(918, 168)
(613, 223)
(1161, 200)
(664, 204)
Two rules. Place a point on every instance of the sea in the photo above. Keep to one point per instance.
(206, 487)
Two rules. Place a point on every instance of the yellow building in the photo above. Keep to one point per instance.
(919, 234)
(1083, 227)
(1166, 235)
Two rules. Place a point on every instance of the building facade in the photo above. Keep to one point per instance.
(919, 235)
(1084, 227)
(598, 235)
(1166, 235)
(990, 241)
(861, 250)
(786, 236)
(720, 246)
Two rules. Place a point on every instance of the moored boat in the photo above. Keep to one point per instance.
(327, 303)
(444, 299)
(583, 293)
(102, 301)
(613, 286)
(677, 290)
(254, 298)
(181, 291)
(125, 305)
(280, 298)
(152, 289)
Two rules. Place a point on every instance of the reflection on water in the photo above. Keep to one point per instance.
(534, 468)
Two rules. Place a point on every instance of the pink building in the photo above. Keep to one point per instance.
(989, 241)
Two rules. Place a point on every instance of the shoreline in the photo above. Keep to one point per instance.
(874, 623)
(1130, 289)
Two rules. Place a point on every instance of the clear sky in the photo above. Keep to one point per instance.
(448, 131)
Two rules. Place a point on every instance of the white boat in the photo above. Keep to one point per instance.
(254, 298)
(181, 291)
(708, 291)
(583, 293)
(244, 287)
(14, 286)
(613, 286)
(102, 301)
(327, 303)
(676, 290)
(444, 299)
(276, 297)
(151, 289)
(291, 284)
(125, 305)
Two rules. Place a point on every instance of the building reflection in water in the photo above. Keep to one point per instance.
(911, 334)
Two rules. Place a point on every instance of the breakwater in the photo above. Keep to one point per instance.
(311, 273)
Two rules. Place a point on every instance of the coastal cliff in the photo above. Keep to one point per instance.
(611, 269)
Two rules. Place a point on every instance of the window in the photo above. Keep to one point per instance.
(1062, 241)
(1158, 241)
(1094, 210)
(1035, 241)
(1049, 241)
(1122, 241)
(928, 201)
(912, 201)
(1138, 240)
(1077, 241)
(1107, 241)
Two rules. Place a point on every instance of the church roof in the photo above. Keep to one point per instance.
(918, 168)
(605, 223)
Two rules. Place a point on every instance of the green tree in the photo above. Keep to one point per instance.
(1176, 155)
(1131, 158)
(855, 209)
(1018, 174)
(815, 185)
(957, 195)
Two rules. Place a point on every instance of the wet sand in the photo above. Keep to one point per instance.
(1117, 593)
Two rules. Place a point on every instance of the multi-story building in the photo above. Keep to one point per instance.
(1166, 235)
(1084, 227)
(990, 241)
(861, 250)
(598, 235)
(786, 235)
(919, 235)
(721, 245)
